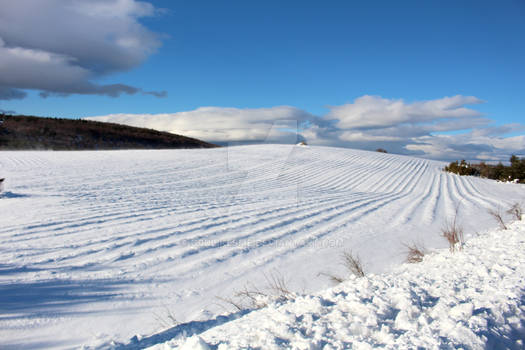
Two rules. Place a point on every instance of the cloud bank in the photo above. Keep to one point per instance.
(443, 129)
(223, 125)
(61, 47)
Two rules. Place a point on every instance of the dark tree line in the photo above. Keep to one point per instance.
(513, 172)
(26, 132)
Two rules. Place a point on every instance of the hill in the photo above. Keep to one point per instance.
(31, 133)
(100, 248)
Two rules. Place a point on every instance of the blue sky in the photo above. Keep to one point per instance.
(309, 55)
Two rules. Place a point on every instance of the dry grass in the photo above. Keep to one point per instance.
(453, 233)
(353, 264)
(252, 297)
(167, 321)
(516, 210)
(230, 301)
(278, 286)
(415, 253)
(496, 214)
(334, 278)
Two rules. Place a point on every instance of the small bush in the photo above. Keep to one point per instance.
(453, 233)
(516, 210)
(496, 214)
(353, 264)
(251, 297)
(415, 253)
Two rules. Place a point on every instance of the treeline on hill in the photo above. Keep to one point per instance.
(513, 172)
(26, 132)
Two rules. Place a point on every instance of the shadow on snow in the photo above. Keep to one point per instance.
(55, 297)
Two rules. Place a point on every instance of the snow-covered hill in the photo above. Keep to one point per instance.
(473, 299)
(102, 246)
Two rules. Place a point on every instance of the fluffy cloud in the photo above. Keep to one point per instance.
(417, 128)
(223, 125)
(62, 46)
(442, 129)
(368, 112)
(470, 146)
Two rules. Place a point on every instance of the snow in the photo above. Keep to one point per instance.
(114, 249)
(472, 299)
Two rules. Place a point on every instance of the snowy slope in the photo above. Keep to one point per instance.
(473, 299)
(102, 246)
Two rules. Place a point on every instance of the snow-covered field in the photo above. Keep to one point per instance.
(98, 247)
(473, 299)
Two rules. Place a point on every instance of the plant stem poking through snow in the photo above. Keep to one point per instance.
(278, 286)
(415, 253)
(516, 211)
(251, 297)
(453, 233)
(353, 264)
(169, 320)
(334, 278)
(496, 214)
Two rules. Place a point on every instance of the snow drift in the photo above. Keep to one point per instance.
(473, 299)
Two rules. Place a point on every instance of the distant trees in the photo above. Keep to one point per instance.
(27, 132)
(513, 172)
(517, 168)
(461, 168)
(381, 150)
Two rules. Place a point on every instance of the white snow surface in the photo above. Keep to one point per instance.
(107, 248)
(472, 299)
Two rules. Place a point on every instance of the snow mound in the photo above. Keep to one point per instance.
(472, 299)
(195, 343)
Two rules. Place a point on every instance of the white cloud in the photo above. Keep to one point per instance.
(62, 46)
(370, 122)
(358, 136)
(468, 146)
(374, 111)
(215, 124)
